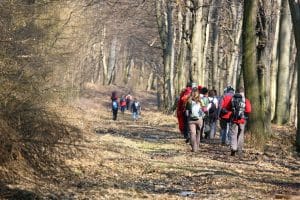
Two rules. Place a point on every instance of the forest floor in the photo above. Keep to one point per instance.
(149, 159)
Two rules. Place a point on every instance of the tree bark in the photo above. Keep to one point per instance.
(282, 97)
(197, 72)
(103, 56)
(112, 61)
(256, 122)
(274, 63)
(295, 13)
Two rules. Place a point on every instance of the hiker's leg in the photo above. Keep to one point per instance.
(115, 114)
(223, 125)
(240, 141)
(202, 130)
(212, 129)
(185, 127)
(228, 133)
(234, 137)
(198, 129)
(193, 140)
(135, 115)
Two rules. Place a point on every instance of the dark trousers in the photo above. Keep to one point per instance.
(123, 109)
(115, 114)
(186, 128)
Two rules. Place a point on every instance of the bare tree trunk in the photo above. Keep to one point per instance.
(171, 50)
(103, 57)
(150, 81)
(112, 60)
(274, 63)
(295, 12)
(256, 122)
(197, 71)
(282, 99)
(235, 56)
(182, 62)
(208, 41)
(293, 94)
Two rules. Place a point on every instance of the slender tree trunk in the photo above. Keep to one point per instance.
(256, 122)
(196, 74)
(282, 99)
(112, 61)
(208, 40)
(295, 13)
(274, 63)
(150, 81)
(103, 56)
(171, 50)
(234, 60)
(162, 22)
(183, 21)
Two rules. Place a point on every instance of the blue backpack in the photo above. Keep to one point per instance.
(115, 105)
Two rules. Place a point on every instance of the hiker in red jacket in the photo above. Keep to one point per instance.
(238, 107)
(182, 119)
(225, 115)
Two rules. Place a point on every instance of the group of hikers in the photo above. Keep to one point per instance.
(199, 109)
(125, 102)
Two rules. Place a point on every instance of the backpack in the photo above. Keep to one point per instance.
(213, 111)
(195, 111)
(115, 105)
(238, 105)
(204, 103)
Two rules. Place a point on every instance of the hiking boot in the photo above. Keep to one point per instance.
(187, 140)
(240, 153)
(233, 152)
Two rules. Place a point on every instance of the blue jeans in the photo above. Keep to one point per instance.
(225, 131)
(135, 115)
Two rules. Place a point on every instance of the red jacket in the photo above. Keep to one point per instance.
(226, 104)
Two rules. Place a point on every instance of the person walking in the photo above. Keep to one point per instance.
(240, 108)
(212, 113)
(123, 104)
(225, 115)
(115, 108)
(128, 101)
(136, 109)
(204, 105)
(195, 115)
(181, 109)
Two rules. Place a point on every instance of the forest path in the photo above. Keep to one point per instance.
(148, 159)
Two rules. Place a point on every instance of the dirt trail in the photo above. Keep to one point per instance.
(148, 159)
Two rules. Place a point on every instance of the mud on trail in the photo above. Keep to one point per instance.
(148, 159)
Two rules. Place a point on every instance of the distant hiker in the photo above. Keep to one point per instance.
(239, 107)
(194, 114)
(136, 109)
(128, 101)
(123, 104)
(225, 115)
(115, 108)
(212, 112)
(181, 116)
